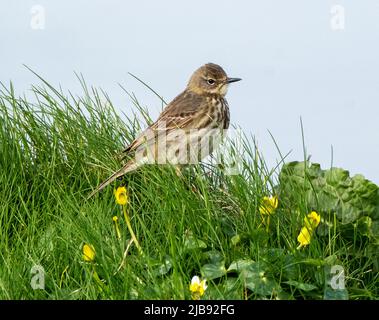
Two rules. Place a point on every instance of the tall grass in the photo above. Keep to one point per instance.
(56, 149)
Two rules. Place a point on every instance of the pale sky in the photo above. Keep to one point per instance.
(293, 56)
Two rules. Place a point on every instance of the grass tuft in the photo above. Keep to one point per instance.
(56, 147)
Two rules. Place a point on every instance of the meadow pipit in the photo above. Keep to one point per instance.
(187, 129)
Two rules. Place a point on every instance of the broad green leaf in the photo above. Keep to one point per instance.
(239, 265)
(301, 286)
(364, 226)
(330, 191)
(192, 243)
(274, 254)
(164, 267)
(233, 288)
(255, 278)
(331, 260)
(213, 256)
(282, 295)
(313, 262)
(291, 269)
(336, 176)
(263, 286)
(213, 271)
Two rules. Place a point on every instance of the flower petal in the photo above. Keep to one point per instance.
(196, 280)
(88, 252)
(304, 237)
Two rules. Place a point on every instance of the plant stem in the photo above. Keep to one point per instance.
(127, 220)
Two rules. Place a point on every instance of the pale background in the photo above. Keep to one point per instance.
(293, 59)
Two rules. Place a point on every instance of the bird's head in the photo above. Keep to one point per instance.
(210, 79)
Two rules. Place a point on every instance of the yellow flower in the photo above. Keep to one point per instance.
(121, 196)
(304, 237)
(197, 287)
(312, 220)
(268, 205)
(88, 252)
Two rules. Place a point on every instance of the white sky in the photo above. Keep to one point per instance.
(292, 62)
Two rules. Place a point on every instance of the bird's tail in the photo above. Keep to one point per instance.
(124, 170)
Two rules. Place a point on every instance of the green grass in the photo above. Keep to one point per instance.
(54, 151)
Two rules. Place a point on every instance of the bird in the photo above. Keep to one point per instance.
(188, 128)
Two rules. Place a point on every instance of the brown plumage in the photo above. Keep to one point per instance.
(199, 111)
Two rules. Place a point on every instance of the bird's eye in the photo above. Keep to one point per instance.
(211, 81)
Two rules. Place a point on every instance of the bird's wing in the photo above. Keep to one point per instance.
(178, 114)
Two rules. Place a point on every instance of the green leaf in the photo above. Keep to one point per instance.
(158, 267)
(230, 289)
(291, 269)
(256, 279)
(282, 295)
(301, 286)
(314, 262)
(262, 286)
(274, 254)
(233, 288)
(336, 176)
(331, 260)
(333, 193)
(164, 267)
(347, 213)
(192, 243)
(213, 256)
(213, 271)
(364, 225)
(239, 265)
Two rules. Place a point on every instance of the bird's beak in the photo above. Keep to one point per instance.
(230, 80)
